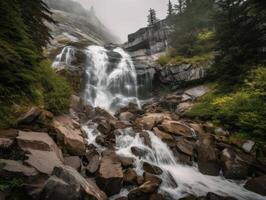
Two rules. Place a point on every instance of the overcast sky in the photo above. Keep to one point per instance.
(125, 16)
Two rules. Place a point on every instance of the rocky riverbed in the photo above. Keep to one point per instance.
(149, 153)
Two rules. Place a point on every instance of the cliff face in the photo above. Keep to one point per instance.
(75, 26)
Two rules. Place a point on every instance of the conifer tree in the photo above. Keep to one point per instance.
(170, 10)
(152, 19)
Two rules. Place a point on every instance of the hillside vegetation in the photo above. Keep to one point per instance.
(232, 35)
(26, 78)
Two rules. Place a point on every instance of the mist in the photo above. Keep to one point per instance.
(122, 17)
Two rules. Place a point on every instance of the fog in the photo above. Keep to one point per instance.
(125, 16)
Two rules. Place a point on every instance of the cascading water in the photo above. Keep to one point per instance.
(110, 85)
(66, 57)
(188, 179)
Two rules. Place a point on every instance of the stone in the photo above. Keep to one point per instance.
(137, 194)
(9, 133)
(176, 128)
(122, 198)
(14, 169)
(126, 116)
(29, 116)
(149, 187)
(110, 174)
(70, 182)
(208, 160)
(126, 161)
(248, 146)
(162, 135)
(195, 92)
(150, 120)
(152, 169)
(232, 167)
(152, 178)
(138, 152)
(257, 185)
(73, 161)
(183, 107)
(146, 138)
(100, 140)
(69, 135)
(185, 146)
(93, 163)
(130, 177)
(156, 196)
(104, 127)
(5, 143)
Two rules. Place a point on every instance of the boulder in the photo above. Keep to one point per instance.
(29, 117)
(185, 146)
(156, 196)
(67, 181)
(126, 116)
(42, 152)
(248, 146)
(14, 169)
(149, 187)
(137, 194)
(165, 137)
(152, 169)
(138, 152)
(110, 174)
(104, 127)
(73, 161)
(126, 161)
(208, 160)
(130, 177)
(69, 135)
(150, 120)
(146, 138)
(233, 166)
(5, 143)
(257, 184)
(183, 107)
(152, 178)
(176, 128)
(93, 159)
(9, 133)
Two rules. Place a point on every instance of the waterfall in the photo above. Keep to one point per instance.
(66, 57)
(110, 84)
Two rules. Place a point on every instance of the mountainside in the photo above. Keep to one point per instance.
(76, 25)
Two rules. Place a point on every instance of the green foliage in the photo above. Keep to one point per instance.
(242, 111)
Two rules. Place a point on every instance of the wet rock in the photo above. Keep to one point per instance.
(152, 169)
(126, 116)
(208, 162)
(137, 194)
(110, 174)
(130, 177)
(149, 187)
(14, 169)
(5, 143)
(126, 161)
(93, 162)
(67, 181)
(29, 117)
(69, 135)
(165, 137)
(212, 196)
(152, 178)
(138, 152)
(100, 140)
(248, 146)
(140, 180)
(150, 120)
(146, 138)
(122, 198)
(73, 161)
(156, 196)
(9, 133)
(104, 127)
(176, 128)
(257, 185)
(185, 146)
(233, 168)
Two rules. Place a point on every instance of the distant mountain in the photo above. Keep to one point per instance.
(78, 23)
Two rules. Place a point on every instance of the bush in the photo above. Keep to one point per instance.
(243, 111)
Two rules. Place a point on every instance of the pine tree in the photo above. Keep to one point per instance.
(170, 11)
(152, 19)
(180, 6)
(35, 14)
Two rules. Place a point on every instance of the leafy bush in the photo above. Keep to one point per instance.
(243, 111)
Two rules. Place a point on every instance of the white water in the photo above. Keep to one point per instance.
(110, 87)
(66, 57)
(189, 179)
